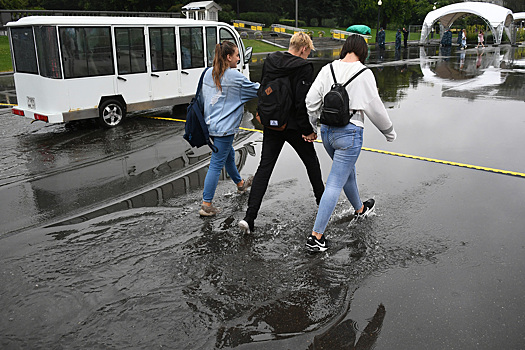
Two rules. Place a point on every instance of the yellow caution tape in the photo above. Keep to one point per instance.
(498, 171)
(7, 104)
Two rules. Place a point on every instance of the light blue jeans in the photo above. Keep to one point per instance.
(225, 157)
(343, 145)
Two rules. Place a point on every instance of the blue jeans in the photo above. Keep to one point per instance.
(343, 145)
(225, 157)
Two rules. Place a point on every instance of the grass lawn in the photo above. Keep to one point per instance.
(259, 46)
(6, 65)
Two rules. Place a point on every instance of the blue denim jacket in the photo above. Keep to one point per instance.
(223, 110)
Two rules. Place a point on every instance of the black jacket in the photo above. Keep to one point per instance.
(301, 73)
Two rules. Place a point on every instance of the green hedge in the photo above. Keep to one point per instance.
(291, 22)
(268, 18)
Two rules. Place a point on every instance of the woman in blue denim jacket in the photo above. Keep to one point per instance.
(224, 92)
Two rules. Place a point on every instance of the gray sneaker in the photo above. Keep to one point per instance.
(208, 210)
(246, 184)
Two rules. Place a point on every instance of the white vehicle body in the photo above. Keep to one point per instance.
(78, 67)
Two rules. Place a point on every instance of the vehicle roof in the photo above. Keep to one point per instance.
(106, 20)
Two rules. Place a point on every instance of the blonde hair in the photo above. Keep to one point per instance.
(300, 40)
(220, 62)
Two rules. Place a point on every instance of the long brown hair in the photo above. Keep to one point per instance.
(220, 61)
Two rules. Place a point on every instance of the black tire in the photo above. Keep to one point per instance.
(111, 113)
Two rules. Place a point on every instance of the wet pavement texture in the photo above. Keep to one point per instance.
(101, 245)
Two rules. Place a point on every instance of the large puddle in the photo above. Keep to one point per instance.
(102, 246)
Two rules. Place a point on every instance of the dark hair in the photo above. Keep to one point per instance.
(220, 62)
(356, 44)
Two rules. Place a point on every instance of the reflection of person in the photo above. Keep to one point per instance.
(381, 38)
(478, 61)
(481, 38)
(398, 39)
(463, 39)
(405, 37)
(343, 144)
(293, 64)
(224, 92)
(461, 60)
(343, 335)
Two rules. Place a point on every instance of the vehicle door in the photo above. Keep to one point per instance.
(165, 73)
(133, 80)
(192, 58)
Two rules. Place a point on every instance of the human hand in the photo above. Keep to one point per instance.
(310, 138)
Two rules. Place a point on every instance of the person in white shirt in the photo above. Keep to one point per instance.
(343, 144)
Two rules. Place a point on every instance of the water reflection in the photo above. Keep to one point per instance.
(78, 175)
(343, 335)
(477, 73)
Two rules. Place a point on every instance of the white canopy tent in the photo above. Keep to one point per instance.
(497, 18)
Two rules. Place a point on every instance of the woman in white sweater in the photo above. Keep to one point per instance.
(343, 144)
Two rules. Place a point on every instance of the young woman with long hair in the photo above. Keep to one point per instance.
(343, 143)
(224, 92)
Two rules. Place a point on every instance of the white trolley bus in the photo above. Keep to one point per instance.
(70, 68)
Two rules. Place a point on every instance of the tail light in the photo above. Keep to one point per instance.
(41, 117)
(17, 112)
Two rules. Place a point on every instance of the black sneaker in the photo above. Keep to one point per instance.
(246, 225)
(368, 208)
(316, 245)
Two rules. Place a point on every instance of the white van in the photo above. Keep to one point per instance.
(77, 67)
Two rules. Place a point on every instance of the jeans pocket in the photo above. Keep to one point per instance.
(344, 140)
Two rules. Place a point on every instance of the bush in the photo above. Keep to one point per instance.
(314, 22)
(291, 22)
(520, 36)
(329, 23)
(267, 18)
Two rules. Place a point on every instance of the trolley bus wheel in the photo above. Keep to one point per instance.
(111, 113)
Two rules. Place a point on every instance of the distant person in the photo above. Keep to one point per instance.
(381, 38)
(446, 40)
(405, 37)
(398, 39)
(298, 131)
(224, 92)
(460, 34)
(343, 144)
(481, 39)
(463, 39)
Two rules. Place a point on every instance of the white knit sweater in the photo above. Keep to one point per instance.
(362, 91)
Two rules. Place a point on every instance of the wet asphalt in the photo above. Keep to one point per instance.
(101, 246)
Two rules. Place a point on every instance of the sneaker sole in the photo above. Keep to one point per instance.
(316, 248)
(243, 225)
(205, 213)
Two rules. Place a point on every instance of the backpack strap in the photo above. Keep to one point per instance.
(352, 78)
(199, 87)
(204, 127)
(333, 74)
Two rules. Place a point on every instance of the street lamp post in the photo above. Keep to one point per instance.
(379, 3)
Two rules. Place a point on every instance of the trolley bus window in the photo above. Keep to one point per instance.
(211, 41)
(86, 51)
(191, 45)
(131, 50)
(24, 50)
(162, 44)
(47, 50)
(225, 34)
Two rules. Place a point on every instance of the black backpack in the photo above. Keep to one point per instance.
(336, 103)
(196, 130)
(275, 102)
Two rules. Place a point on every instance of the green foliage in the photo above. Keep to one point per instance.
(267, 18)
(329, 22)
(291, 22)
(520, 35)
(6, 65)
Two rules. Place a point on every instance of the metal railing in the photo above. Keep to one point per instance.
(342, 34)
(247, 25)
(284, 29)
